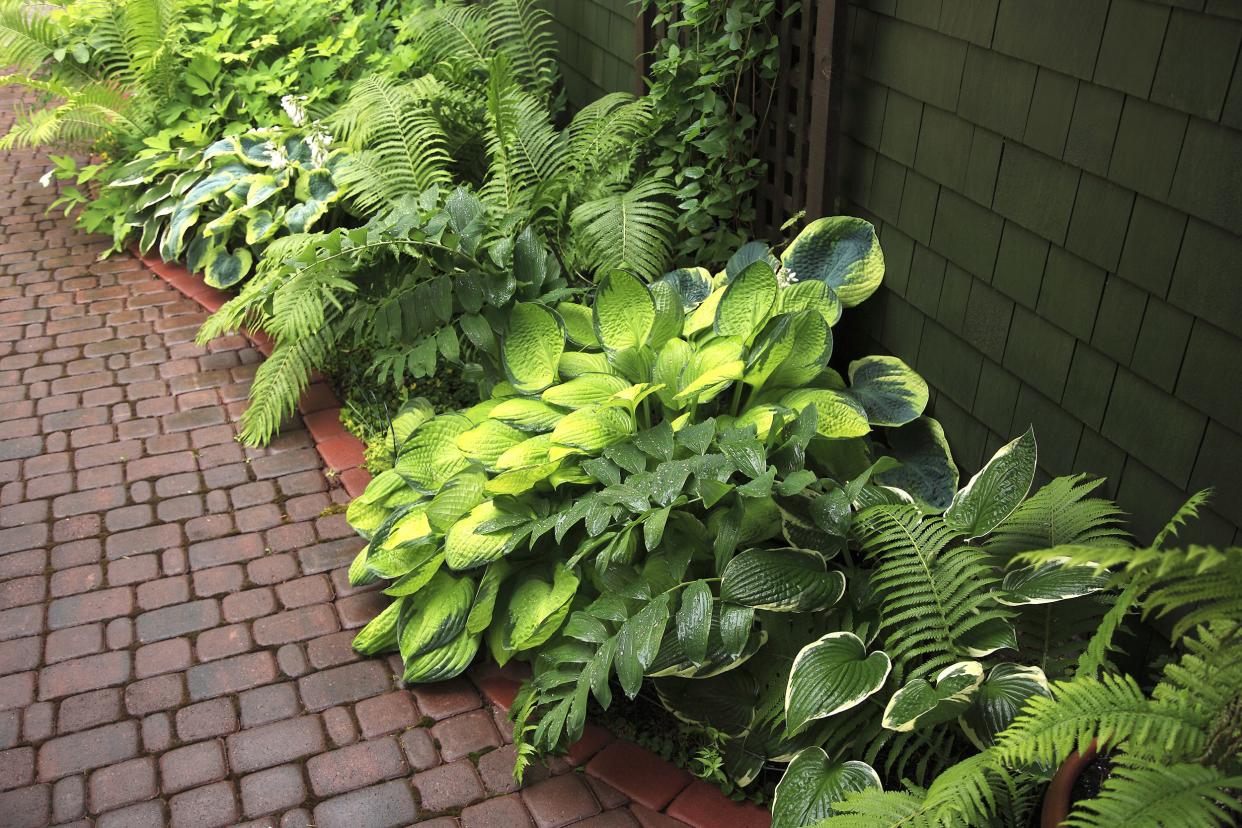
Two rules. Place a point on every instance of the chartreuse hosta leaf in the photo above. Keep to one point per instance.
(888, 389)
(921, 702)
(1048, 582)
(812, 295)
(532, 451)
(579, 324)
(532, 347)
(996, 703)
(747, 302)
(527, 414)
(437, 616)
(380, 634)
(927, 471)
(712, 367)
(839, 414)
(830, 675)
(588, 430)
(790, 351)
(464, 548)
(486, 442)
(443, 663)
(624, 311)
(430, 456)
(576, 363)
(998, 489)
(459, 494)
(537, 607)
(587, 389)
(781, 580)
(420, 565)
(813, 783)
(841, 251)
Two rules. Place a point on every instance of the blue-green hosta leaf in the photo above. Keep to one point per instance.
(841, 251)
(1048, 582)
(537, 608)
(624, 311)
(320, 187)
(199, 252)
(530, 261)
(813, 783)
(421, 571)
(261, 226)
(927, 471)
(638, 642)
(590, 429)
(694, 620)
(747, 302)
(488, 440)
(255, 150)
(532, 347)
(532, 451)
(670, 315)
(781, 580)
(183, 218)
(831, 675)
(464, 548)
(437, 617)
(838, 414)
(223, 147)
(586, 389)
(746, 255)
(996, 704)
(227, 269)
(921, 702)
(576, 363)
(812, 295)
(579, 324)
(891, 392)
(443, 663)
(691, 284)
(998, 489)
(460, 493)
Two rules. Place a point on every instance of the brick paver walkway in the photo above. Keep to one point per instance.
(175, 619)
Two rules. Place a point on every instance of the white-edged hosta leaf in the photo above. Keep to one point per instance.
(986, 638)
(927, 471)
(437, 617)
(532, 347)
(1048, 582)
(226, 268)
(830, 675)
(624, 311)
(841, 251)
(838, 414)
(921, 702)
(997, 489)
(781, 580)
(694, 620)
(813, 783)
(726, 702)
(999, 698)
(890, 391)
(464, 548)
(747, 302)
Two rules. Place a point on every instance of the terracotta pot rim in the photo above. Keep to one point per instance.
(1057, 798)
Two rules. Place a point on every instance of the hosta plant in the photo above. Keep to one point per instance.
(244, 191)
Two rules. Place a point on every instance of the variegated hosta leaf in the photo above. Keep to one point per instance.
(421, 569)
(587, 389)
(813, 783)
(532, 347)
(811, 295)
(725, 702)
(380, 634)
(437, 617)
(590, 429)
(921, 702)
(460, 493)
(691, 284)
(537, 608)
(986, 638)
(927, 471)
(996, 703)
(358, 573)
(579, 324)
(486, 442)
(838, 414)
(841, 251)
(464, 548)
(1048, 582)
(624, 311)
(747, 302)
(781, 580)
(227, 269)
(430, 456)
(830, 675)
(183, 218)
(998, 489)
(890, 391)
(443, 663)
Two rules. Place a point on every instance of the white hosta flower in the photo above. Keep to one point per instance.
(276, 155)
(293, 107)
(319, 141)
(46, 178)
(786, 277)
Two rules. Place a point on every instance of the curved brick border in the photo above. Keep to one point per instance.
(664, 795)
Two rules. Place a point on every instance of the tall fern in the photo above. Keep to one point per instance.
(1060, 513)
(630, 229)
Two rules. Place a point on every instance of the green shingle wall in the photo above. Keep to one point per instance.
(597, 45)
(1058, 190)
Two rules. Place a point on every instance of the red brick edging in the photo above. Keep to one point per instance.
(659, 790)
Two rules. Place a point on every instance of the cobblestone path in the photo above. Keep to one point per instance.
(175, 619)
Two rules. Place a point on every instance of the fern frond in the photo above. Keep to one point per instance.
(1051, 636)
(450, 32)
(526, 152)
(631, 230)
(279, 382)
(1157, 795)
(1208, 675)
(1060, 513)
(1188, 510)
(880, 809)
(1112, 711)
(1094, 656)
(932, 596)
(520, 30)
(28, 37)
(605, 130)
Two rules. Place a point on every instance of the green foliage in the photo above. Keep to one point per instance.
(713, 79)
